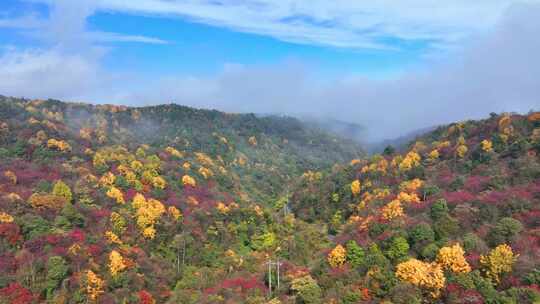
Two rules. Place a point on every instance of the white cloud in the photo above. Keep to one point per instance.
(115, 37)
(67, 25)
(499, 72)
(23, 22)
(341, 23)
(52, 73)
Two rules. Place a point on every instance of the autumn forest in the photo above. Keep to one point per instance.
(170, 204)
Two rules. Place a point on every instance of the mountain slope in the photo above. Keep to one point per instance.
(273, 148)
(454, 219)
(168, 204)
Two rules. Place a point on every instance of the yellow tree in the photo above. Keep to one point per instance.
(116, 263)
(5, 218)
(461, 150)
(498, 262)
(355, 187)
(116, 194)
(337, 256)
(174, 212)
(118, 222)
(411, 160)
(62, 190)
(452, 258)
(222, 208)
(411, 185)
(107, 179)
(487, 145)
(159, 182)
(434, 155)
(136, 165)
(252, 141)
(188, 181)
(59, 145)
(172, 151)
(148, 213)
(392, 210)
(112, 238)
(47, 201)
(428, 276)
(206, 173)
(94, 285)
(99, 160)
(408, 198)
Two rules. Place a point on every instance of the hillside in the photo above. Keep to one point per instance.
(169, 204)
(455, 219)
(272, 148)
(110, 204)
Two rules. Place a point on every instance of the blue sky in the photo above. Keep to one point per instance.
(290, 56)
(201, 48)
(204, 49)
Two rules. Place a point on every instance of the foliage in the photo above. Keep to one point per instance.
(355, 254)
(47, 201)
(102, 221)
(425, 275)
(355, 187)
(57, 270)
(498, 262)
(337, 256)
(439, 209)
(421, 233)
(5, 218)
(452, 258)
(116, 194)
(505, 230)
(188, 181)
(307, 289)
(116, 263)
(147, 213)
(94, 285)
(61, 189)
(392, 210)
(398, 248)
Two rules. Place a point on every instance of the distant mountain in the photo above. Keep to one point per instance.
(344, 129)
(400, 143)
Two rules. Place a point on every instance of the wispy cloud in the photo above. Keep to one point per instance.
(115, 37)
(499, 72)
(67, 24)
(30, 21)
(338, 23)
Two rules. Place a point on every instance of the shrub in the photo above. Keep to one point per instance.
(471, 242)
(439, 209)
(57, 270)
(307, 290)
(430, 251)
(62, 190)
(505, 231)
(446, 227)
(355, 254)
(532, 277)
(398, 248)
(421, 233)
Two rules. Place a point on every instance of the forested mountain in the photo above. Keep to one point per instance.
(170, 204)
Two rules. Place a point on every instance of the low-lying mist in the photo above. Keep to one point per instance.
(498, 71)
